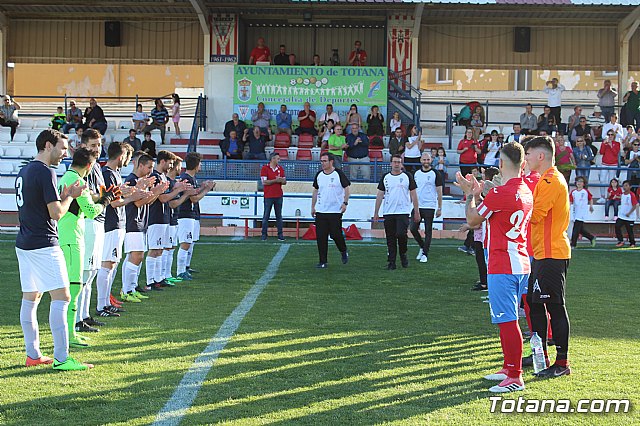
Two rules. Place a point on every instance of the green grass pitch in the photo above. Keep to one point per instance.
(349, 345)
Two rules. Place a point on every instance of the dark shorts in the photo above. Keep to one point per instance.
(548, 280)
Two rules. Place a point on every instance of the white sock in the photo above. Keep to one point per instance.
(112, 277)
(169, 264)
(59, 329)
(80, 303)
(129, 276)
(86, 306)
(164, 263)
(182, 260)
(29, 323)
(102, 284)
(190, 253)
(150, 264)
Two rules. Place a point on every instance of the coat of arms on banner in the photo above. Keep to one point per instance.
(244, 89)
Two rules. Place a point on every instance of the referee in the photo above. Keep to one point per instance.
(398, 190)
(330, 200)
(551, 253)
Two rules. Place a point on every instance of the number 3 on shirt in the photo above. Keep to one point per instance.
(516, 220)
(19, 198)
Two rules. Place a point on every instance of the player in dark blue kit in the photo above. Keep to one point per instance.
(187, 212)
(159, 218)
(40, 259)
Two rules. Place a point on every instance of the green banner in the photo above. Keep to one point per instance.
(294, 85)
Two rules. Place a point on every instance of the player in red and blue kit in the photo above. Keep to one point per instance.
(507, 210)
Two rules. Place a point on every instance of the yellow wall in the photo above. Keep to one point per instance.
(504, 79)
(104, 79)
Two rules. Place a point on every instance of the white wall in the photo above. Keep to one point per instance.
(218, 86)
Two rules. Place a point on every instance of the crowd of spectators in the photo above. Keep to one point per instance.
(261, 55)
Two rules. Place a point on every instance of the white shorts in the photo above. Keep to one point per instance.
(113, 246)
(185, 230)
(196, 231)
(172, 237)
(93, 244)
(135, 241)
(42, 269)
(156, 236)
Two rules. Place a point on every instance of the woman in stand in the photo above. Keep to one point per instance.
(175, 113)
(412, 149)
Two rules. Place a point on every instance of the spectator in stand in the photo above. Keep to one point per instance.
(316, 61)
(74, 117)
(477, 124)
(283, 121)
(140, 119)
(375, 122)
(517, 133)
(491, 149)
(583, 129)
(175, 113)
(607, 99)
(282, 58)
(75, 139)
(148, 145)
(159, 119)
(358, 152)
(307, 120)
(573, 120)
(257, 143)
(413, 149)
(353, 117)
(614, 193)
(468, 149)
(631, 101)
(94, 117)
(59, 119)
(133, 140)
(358, 56)
(610, 150)
(583, 156)
(564, 158)
(615, 126)
(329, 114)
(262, 119)
(335, 145)
(596, 122)
(582, 203)
(528, 120)
(632, 161)
(626, 217)
(234, 124)
(547, 121)
(273, 178)
(630, 135)
(554, 91)
(395, 123)
(326, 130)
(232, 147)
(260, 53)
(440, 162)
(292, 60)
(397, 143)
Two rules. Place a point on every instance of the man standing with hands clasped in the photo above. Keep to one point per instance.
(273, 178)
(398, 189)
(329, 201)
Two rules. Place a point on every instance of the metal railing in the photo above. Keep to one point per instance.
(199, 122)
(400, 94)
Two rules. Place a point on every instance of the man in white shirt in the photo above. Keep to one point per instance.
(615, 126)
(429, 184)
(596, 121)
(329, 201)
(398, 190)
(329, 114)
(554, 98)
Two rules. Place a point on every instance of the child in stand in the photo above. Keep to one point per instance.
(59, 119)
(582, 202)
(440, 162)
(74, 139)
(175, 113)
(477, 125)
(614, 193)
(140, 119)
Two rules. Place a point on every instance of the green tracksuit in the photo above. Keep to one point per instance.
(71, 238)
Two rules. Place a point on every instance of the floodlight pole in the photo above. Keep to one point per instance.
(626, 29)
(4, 27)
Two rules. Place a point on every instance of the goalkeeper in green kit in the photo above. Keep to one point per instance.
(71, 230)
